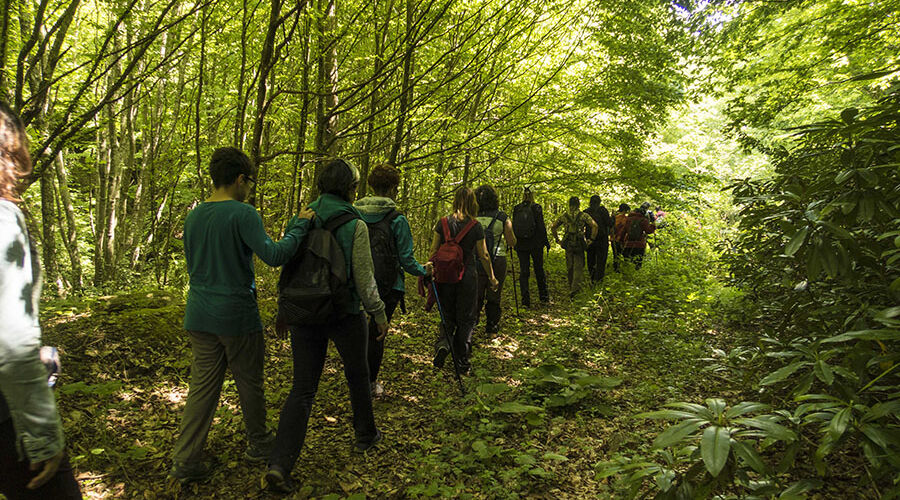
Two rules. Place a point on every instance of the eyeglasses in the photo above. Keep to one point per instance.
(251, 179)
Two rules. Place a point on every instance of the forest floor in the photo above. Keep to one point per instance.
(626, 346)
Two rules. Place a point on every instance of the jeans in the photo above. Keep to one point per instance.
(458, 307)
(376, 347)
(537, 256)
(492, 309)
(15, 474)
(244, 354)
(596, 259)
(635, 256)
(574, 270)
(309, 345)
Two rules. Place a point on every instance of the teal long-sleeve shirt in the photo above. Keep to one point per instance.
(220, 239)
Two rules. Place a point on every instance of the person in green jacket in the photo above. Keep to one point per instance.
(392, 253)
(337, 181)
(221, 316)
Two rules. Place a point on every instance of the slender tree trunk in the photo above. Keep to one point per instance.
(199, 106)
(326, 119)
(373, 100)
(70, 238)
(300, 161)
(241, 108)
(406, 83)
(5, 17)
(266, 63)
(48, 236)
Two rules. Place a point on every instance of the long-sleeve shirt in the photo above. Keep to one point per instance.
(375, 208)
(23, 378)
(220, 239)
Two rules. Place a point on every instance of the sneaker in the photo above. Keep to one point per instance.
(260, 450)
(192, 472)
(277, 480)
(364, 447)
(377, 390)
(441, 356)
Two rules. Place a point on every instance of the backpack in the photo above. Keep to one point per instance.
(524, 223)
(635, 230)
(314, 287)
(573, 238)
(602, 218)
(449, 265)
(493, 246)
(385, 256)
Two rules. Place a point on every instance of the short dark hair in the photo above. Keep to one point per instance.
(574, 202)
(596, 201)
(383, 178)
(624, 207)
(337, 177)
(487, 198)
(227, 164)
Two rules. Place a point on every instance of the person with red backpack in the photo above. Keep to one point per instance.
(617, 244)
(457, 240)
(392, 254)
(633, 235)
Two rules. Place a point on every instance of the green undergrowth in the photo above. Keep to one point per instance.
(551, 397)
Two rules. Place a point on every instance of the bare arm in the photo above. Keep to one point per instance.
(481, 248)
(594, 228)
(509, 234)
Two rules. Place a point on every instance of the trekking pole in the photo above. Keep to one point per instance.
(437, 299)
(512, 264)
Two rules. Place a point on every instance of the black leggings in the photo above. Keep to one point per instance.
(15, 474)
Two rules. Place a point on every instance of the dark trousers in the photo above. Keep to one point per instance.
(376, 347)
(596, 259)
(537, 256)
(492, 308)
(635, 256)
(617, 255)
(309, 345)
(458, 303)
(15, 474)
(213, 354)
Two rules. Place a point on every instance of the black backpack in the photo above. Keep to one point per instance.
(385, 256)
(314, 287)
(635, 229)
(524, 223)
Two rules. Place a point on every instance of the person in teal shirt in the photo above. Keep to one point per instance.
(221, 316)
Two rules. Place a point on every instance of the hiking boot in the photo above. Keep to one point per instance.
(277, 480)
(377, 390)
(193, 472)
(441, 355)
(364, 447)
(260, 450)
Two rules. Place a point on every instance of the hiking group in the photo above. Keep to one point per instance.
(342, 280)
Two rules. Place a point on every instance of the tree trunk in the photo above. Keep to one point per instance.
(327, 101)
(48, 237)
(266, 62)
(406, 84)
(70, 238)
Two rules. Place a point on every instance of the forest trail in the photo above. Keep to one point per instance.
(520, 430)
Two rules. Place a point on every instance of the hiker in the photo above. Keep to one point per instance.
(531, 239)
(33, 461)
(598, 253)
(221, 315)
(660, 218)
(392, 253)
(633, 235)
(575, 223)
(497, 226)
(649, 214)
(347, 327)
(618, 224)
(457, 294)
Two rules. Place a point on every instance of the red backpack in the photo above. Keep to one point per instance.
(448, 260)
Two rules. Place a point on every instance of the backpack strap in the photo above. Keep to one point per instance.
(446, 227)
(332, 224)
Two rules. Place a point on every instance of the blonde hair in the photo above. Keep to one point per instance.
(465, 203)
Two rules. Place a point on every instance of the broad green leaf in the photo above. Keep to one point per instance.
(716, 405)
(823, 372)
(783, 373)
(677, 432)
(796, 491)
(603, 382)
(837, 230)
(555, 456)
(744, 408)
(883, 335)
(796, 242)
(715, 446)
(516, 407)
(492, 389)
(839, 422)
(666, 414)
(879, 435)
(749, 455)
(772, 429)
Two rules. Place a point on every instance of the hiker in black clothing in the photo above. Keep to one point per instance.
(617, 245)
(531, 239)
(496, 227)
(598, 252)
(392, 253)
(457, 299)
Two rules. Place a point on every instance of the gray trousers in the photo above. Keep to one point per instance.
(244, 354)
(575, 270)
